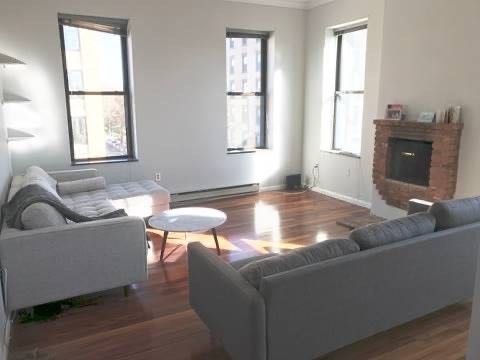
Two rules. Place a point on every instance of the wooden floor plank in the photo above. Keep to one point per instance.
(156, 322)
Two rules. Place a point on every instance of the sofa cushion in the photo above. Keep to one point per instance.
(392, 231)
(79, 186)
(140, 198)
(90, 203)
(158, 194)
(41, 215)
(35, 173)
(33, 179)
(237, 265)
(84, 197)
(255, 271)
(453, 213)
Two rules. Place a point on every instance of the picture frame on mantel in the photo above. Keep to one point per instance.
(426, 117)
(396, 112)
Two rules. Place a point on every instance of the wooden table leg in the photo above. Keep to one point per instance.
(165, 236)
(214, 232)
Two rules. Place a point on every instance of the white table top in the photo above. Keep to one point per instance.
(188, 219)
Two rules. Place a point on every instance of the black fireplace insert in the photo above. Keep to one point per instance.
(409, 161)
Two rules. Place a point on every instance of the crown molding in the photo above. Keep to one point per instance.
(314, 3)
(303, 5)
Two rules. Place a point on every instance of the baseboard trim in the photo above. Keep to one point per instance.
(272, 188)
(342, 197)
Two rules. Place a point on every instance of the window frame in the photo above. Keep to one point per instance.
(262, 94)
(117, 27)
(338, 77)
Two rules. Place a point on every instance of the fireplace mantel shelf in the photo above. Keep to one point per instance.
(416, 124)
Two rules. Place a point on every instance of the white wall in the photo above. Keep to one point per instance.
(5, 168)
(430, 60)
(340, 174)
(5, 175)
(179, 84)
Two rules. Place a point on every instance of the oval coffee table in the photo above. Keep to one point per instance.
(188, 219)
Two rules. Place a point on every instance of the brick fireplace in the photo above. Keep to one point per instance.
(415, 160)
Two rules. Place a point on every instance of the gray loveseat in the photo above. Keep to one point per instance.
(54, 259)
(316, 301)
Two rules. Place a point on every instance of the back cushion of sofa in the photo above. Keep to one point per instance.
(37, 173)
(392, 231)
(37, 176)
(453, 213)
(41, 215)
(255, 271)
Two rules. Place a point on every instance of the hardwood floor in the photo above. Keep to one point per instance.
(156, 322)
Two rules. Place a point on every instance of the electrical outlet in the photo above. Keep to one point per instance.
(158, 177)
(348, 173)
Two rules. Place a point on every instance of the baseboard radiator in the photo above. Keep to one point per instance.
(218, 193)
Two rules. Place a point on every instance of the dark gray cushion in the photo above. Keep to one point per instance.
(453, 213)
(255, 271)
(388, 232)
(238, 264)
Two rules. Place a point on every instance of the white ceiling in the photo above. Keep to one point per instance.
(296, 4)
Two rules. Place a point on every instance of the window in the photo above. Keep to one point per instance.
(244, 63)
(95, 64)
(246, 109)
(245, 85)
(349, 89)
(232, 64)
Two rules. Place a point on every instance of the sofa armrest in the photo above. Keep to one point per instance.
(416, 206)
(72, 175)
(232, 309)
(56, 263)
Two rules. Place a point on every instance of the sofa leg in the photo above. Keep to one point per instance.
(126, 290)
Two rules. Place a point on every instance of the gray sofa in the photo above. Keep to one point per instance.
(56, 259)
(404, 269)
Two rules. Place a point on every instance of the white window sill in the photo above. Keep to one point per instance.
(342, 153)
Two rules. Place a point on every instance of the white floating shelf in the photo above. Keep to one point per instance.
(8, 60)
(13, 98)
(17, 135)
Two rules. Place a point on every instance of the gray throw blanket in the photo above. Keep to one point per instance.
(32, 194)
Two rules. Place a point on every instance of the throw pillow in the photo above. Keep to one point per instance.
(35, 172)
(453, 213)
(78, 186)
(41, 215)
(392, 231)
(255, 271)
